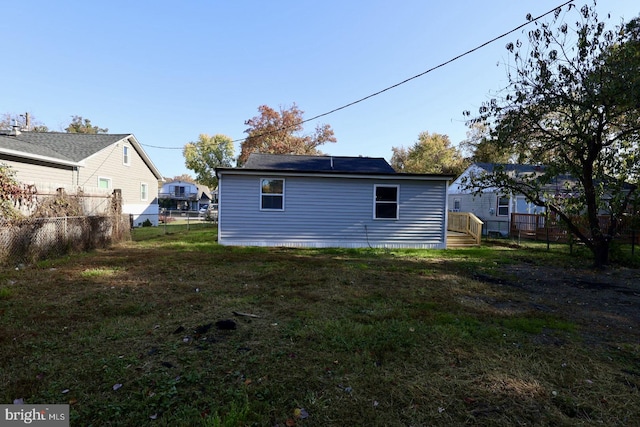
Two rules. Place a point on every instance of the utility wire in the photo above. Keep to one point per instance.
(531, 20)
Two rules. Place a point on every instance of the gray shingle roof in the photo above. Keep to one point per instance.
(335, 164)
(509, 167)
(73, 147)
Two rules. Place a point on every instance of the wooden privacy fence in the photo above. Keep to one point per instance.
(538, 227)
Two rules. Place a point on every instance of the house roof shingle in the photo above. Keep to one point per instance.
(72, 147)
(336, 164)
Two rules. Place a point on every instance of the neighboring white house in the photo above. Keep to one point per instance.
(91, 163)
(183, 195)
(325, 201)
(492, 205)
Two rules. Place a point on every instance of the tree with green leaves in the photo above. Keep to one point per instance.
(480, 148)
(279, 132)
(573, 105)
(432, 153)
(206, 154)
(81, 125)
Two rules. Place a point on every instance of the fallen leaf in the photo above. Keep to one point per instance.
(154, 416)
(73, 401)
(18, 401)
(300, 413)
(116, 386)
(290, 423)
(65, 391)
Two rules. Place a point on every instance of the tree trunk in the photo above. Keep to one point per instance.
(601, 253)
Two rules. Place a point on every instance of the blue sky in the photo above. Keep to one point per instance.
(168, 71)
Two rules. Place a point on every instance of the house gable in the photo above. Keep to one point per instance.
(87, 161)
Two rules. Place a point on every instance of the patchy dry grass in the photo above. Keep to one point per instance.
(140, 335)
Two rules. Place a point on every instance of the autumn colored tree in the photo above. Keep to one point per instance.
(81, 125)
(279, 132)
(185, 177)
(206, 154)
(432, 153)
(13, 193)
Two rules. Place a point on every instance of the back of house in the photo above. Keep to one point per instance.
(327, 201)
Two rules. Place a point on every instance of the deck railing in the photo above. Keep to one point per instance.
(465, 222)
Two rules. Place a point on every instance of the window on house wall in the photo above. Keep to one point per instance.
(386, 202)
(503, 206)
(271, 194)
(126, 159)
(179, 191)
(104, 182)
(144, 191)
(456, 205)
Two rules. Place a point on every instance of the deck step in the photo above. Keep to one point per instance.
(460, 241)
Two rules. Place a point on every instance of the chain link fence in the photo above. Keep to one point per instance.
(34, 239)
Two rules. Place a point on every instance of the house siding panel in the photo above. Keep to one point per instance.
(108, 163)
(331, 212)
(29, 173)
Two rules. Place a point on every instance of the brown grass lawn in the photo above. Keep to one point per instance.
(145, 333)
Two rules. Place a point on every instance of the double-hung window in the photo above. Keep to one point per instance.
(126, 159)
(385, 202)
(144, 191)
(503, 206)
(272, 194)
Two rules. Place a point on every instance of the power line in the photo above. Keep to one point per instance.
(455, 58)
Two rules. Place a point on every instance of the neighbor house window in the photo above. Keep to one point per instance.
(179, 191)
(503, 206)
(125, 155)
(104, 182)
(456, 205)
(272, 194)
(386, 202)
(144, 191)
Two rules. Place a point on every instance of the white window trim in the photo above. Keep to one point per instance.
(144, 196)
(104, 178)
(397, 202)
(272, 194)
(126, 159)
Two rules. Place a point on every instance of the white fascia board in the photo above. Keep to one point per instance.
(47, 159)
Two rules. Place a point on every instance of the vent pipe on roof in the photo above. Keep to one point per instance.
(15, 129)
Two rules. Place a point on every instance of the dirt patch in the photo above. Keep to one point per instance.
(606, 304)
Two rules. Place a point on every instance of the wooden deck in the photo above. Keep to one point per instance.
(463, 229)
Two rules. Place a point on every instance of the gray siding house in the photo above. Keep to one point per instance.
(324, 201)
(92, 163)
(493, 206)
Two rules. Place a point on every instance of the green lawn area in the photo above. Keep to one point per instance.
(144, 333)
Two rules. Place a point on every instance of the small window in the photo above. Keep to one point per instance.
(125, 155)
(104, 182)
(503, 206)
(386, 202)
(179, 191)
(456, 205)
(272, 194)
(144, 191)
